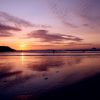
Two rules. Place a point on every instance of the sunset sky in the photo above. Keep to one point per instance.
(50, 24)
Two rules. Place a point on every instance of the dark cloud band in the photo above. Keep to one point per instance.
(5, 30)
(45, 36)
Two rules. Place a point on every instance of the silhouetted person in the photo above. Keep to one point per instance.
(94, 49)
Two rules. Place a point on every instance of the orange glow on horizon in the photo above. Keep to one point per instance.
(29, 46)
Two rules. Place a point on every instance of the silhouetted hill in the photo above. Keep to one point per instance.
(6, 49)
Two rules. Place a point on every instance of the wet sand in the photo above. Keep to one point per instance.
(50, 77)
(87, 89)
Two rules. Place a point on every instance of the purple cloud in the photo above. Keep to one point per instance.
(61, 14)
(7, 18)
(5, 30)
(77, 13)
(15, 21)
(89, 12)
(8, 28)
(45, 36)
(5, 34)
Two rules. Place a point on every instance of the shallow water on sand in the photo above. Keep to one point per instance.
(35, 73)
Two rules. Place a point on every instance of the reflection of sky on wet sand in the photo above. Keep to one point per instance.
(29, 74)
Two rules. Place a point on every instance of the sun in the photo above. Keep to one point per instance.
(22, 46)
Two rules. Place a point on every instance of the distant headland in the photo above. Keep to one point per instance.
(63, 50)
(6, 49)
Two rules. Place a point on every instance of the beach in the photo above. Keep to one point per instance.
(48, 76)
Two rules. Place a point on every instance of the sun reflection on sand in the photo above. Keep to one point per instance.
(22, 58)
